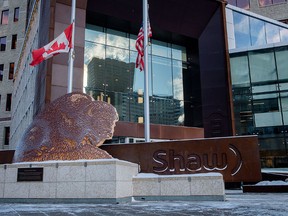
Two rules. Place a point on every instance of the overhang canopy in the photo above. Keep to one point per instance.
(184, 17)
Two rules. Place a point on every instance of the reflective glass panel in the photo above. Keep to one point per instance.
(272, 33)
(162, 76)
(243, 110)
(117, 39)
(177, 80)
(262, 66)
(282, 63)
(265, 103)
(283, 86)
(257, 32)
(121, 55)
(179, 52)
(283, 34)
(110, 75)
(284, 104)
(264, 88)
(272, 141)
(241, 27)
(117, 75)
(267, 110)
(138, 77)
(95, 34)
(161, 49)
(132, 42)
(96, 74)
(165, 111)
(239, 70)
(93, 50)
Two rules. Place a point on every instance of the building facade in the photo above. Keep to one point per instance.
(187, 88)
(274, 9)
(12, 29)
(225, 77)
(258, 48)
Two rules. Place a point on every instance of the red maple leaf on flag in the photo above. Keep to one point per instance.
(56, 47)
(60, 44)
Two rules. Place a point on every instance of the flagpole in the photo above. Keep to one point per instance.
(146, 73)
(71, 53)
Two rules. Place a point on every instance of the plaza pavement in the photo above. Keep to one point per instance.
(237, 203)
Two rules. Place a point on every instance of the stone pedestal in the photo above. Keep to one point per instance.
(97, 181)
(101, 181)
(152, 187)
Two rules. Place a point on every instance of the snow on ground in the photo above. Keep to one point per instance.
(237, 203)
(278, 182)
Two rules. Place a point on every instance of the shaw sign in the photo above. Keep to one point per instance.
(167, 162)
(237, 158)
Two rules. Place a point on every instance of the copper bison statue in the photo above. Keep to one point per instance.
(70, 128)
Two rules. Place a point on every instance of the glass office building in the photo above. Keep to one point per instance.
(110, 58)
(194, 80)
(258, 50)
(187, 60)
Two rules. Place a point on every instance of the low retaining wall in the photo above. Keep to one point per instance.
(151, 187)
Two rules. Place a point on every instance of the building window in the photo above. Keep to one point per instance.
(2, 43)
(16, 14)
(250, 31)
(260, 95)
(11, 70)
(6, 135)
(4, 17)
(14, 42)
(263, 3)
(1, 71)
(245, 4)
(8, 102)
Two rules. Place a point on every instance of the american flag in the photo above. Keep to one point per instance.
(140, 46)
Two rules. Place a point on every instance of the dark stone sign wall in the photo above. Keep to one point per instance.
(237, 158)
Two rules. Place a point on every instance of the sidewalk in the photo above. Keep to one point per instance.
(237, 203)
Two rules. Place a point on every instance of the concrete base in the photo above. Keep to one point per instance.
(152, 187)
(101, 181)
(104, 181)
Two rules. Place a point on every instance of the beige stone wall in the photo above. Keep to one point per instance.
(60, 63)
(276, 11)
(24, 84)
(9, 56)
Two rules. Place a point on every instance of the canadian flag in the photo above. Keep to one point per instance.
(61, 44)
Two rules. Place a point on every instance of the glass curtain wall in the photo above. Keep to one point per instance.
(111, 76)
(246, 31)
(260, 95)
(258, 49)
